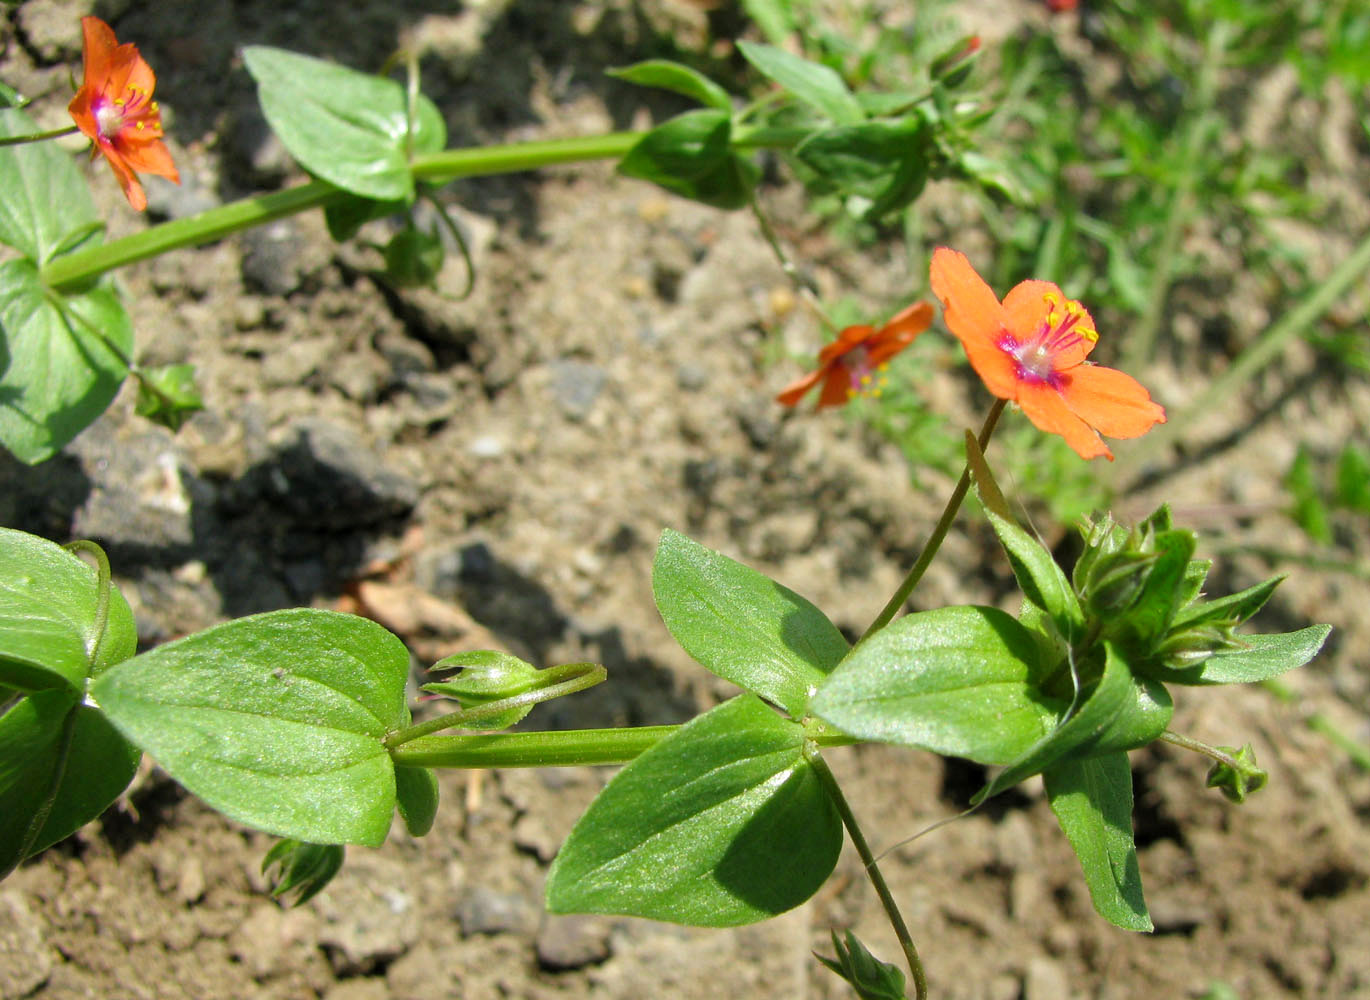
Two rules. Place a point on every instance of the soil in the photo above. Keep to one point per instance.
(495, 471)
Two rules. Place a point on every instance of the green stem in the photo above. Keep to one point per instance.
(75, 269)
(882, 889)
(939, 532)
(1143, 340)
(565, 748)
(1198, 747)
(72, 271)
(57, 133)
(1267, 348)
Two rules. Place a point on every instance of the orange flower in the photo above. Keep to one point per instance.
(114, 107)
(1031, 349)
(847, 366)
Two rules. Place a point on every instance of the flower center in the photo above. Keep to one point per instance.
(1039, 356)
(115, 117)
(865, 380)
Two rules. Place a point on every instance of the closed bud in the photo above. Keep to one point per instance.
(1115, 581)
(486, 676)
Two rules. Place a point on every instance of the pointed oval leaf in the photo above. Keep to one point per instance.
(61, 765)
(48, 599)
(691, 155)
(960, 681)
(813, 83)
(1265, 656)
(416, 797)
(43, 197)
(347, 127)
(1092, 800)
(1236, 607)
(721, 823)
(674, 76)
(742, 625)
(1043, 582)
(60, 360)
(276, 720)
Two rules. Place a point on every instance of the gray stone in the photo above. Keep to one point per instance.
(166, 200)
(575, 386)
(25, 959)
(366, 918)
(486, 911)
(572, 942)
(273, 258)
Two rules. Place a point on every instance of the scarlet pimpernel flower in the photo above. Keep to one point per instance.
(114, 107)
(1031, 349)
(851, 365)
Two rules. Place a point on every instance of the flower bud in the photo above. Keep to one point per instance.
(486, 676)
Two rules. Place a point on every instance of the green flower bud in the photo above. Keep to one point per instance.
(486, 676)
(1115, 581)
(1240, 778)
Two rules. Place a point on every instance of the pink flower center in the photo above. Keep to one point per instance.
(114, 116)
(865, 379)
(1039, 357)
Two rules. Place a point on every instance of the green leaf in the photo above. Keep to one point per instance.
(691, 155)
(883, 161)
(43, 196)
(276, 720)
(775, 18)
(416, 797)
(721, 823)
(1194, 576)
(1310, 510)
(1235, 608)
(1096, 724)
(61, 765)
(743, 626)
(814, 84)
(670, 75)
(1092, 800)
(347, 127)
(1043, 582)
(1155, 607)
(61, 360)
(1353, 477)
(9, 97)
(345, 216)
(48, 599)
(1266, 656)
(960, 681)
(167, 395)
(986, 488)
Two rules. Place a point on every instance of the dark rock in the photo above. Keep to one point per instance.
(327, 476)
